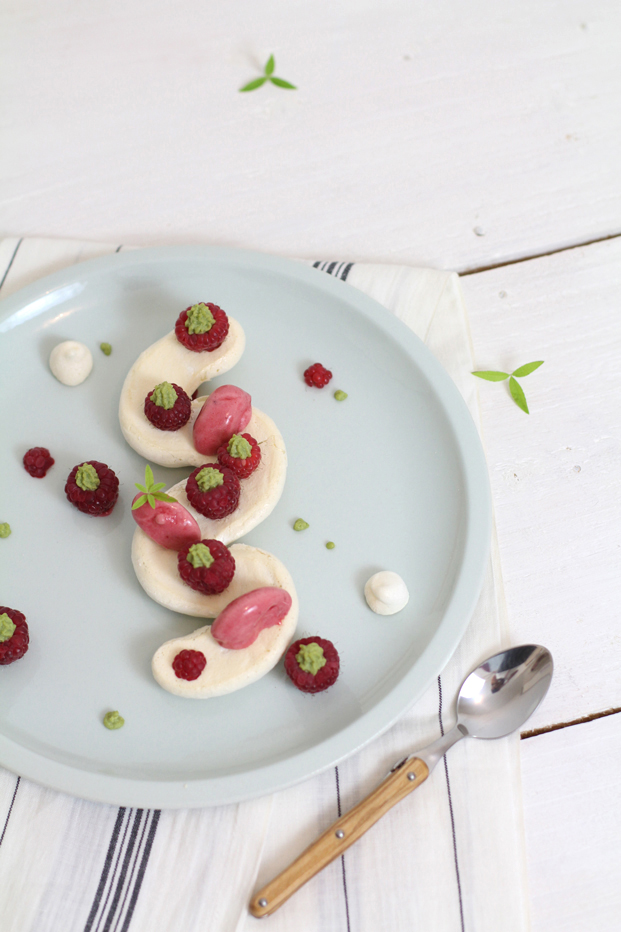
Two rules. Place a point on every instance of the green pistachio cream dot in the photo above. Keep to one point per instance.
(339, 395)
(199, 319)
(5, 529)
(330, 545)
(6, 627)
(113, 720)
(86, 478)
(300, 525)
(199, 555)
(310, 658)
(105, 348)
(164, 396)
(209, 478)
(239, 447)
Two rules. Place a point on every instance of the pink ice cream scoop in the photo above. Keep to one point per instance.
(226, 412)
(169, 524)
(241, 622)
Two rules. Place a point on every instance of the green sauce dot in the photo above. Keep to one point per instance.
(86, 478)
(339, 395)
(209, 478)
(5, 529)
(330, 545)
(164, 396)
(300, 525)
(113, 720)
(239, 447)
(105, 348)
(310, 658)
(199, 555)
(7, 627)
(199, 319)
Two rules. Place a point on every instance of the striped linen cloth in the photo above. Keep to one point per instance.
(450, 858)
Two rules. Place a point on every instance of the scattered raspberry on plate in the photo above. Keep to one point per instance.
(206, 566)
(316, 376)
(242, 454)
(189, 664)
(13, 635)
(93, 488)
(202, 327)
(213, 490)
(168, 407)
(312, 664)
(37, 461)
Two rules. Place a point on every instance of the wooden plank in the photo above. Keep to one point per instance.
(556, 474)
(414, 126)
(572, 813)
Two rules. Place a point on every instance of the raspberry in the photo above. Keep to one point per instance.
(317, 375)
(37, 461)
(189, 664)
(240, 466)
(208, 579)
(169, 418)
(16, 645)
(218, 501)
(99, 500)
(208, 341)
(324, 677)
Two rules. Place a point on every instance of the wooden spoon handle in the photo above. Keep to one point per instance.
(335, 840)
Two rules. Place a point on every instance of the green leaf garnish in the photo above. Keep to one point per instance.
(151, 491)
(492, 376)
(280, 83)
(517, 393)
(527, 369)
(268, 75)
(252, 85)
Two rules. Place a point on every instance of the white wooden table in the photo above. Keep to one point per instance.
(485, 139)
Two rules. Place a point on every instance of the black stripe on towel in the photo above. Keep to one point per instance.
(8, 268)
(123, 871)
(8, 815)
(450, 802)
(338, 807)
(336, 269)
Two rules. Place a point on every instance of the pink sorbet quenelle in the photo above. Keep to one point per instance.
(226, 412)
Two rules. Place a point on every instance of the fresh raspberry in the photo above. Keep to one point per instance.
(241, 467)
(189, 664)
(97, 502)
(208, 579)
(316, 376)
(208, 341)
(217, 502)
(309, 682)
(37, 461)
(16, 645)
(169, 418)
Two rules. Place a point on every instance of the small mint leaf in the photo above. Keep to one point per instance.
(280, 83)
(139, 501)
(491, 376)
(163, 497)
(151, 500)
(157, 487)
(518, 395)
(269, 68)
(148, 475)
(252, 85)
(140, 488)
(527, 369)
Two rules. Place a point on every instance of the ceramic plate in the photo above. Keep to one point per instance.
(394, 475)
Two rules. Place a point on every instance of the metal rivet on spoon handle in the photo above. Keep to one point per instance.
(494, 700)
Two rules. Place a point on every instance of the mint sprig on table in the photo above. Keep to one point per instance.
(151, 491)
(268, 75)
(517, 392)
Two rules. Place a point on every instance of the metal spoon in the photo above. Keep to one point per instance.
(494, 700)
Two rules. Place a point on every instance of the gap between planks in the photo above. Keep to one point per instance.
(576, 721)
(538, 255)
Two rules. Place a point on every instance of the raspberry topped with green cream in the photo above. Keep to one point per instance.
(312, 664)
(242, 454)
(213, 490)
(168, 407)
(93, 488)
(202, 327)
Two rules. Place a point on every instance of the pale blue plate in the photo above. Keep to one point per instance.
(395, 476)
